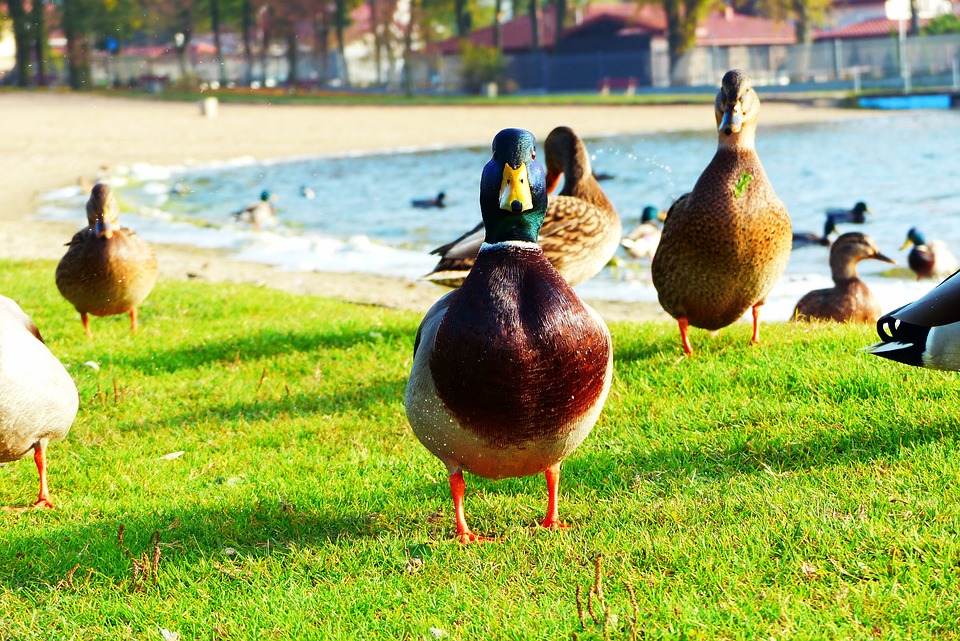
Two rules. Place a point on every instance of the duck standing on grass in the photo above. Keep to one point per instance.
(581, 230)
(107, 269)
(849, 300)
(928, 260)
(38, 399)
(724, 244)
(259, 214)
(925, 333)
(511, 370)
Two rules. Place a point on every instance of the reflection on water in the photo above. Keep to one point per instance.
(904, 166)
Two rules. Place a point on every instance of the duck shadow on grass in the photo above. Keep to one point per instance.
(228, 538)
(256, 345)
(823, 448)
(362, 398)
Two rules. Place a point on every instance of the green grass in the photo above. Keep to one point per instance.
(801, 490)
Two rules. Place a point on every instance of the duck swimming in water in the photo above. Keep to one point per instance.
(259, 214)
(858, 214)
(511, 370)
(928, 259)
(807, 239)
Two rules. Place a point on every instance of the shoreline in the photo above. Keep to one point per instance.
(59, 138)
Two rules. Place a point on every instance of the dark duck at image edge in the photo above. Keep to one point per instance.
(926, 332)
(107, 269)
(580, 232)
(726, 243)
(38, 398)
(511, 370)
(849, 300)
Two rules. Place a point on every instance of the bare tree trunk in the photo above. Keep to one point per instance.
(561, 17)
(293, 57)
(321, 45)
(497, 8)
(264, 39)
(914, 18)
(215, 24)
(246, 25)
(78, 44)
(21, 40)
(341, 25)
(534, 25)
(408, 49)
(40, 39)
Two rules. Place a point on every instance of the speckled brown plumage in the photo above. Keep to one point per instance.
(581, 230)
(107, 269)
(849, 300)
(724, 244)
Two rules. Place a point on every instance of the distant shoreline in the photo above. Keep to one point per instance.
(56, 138)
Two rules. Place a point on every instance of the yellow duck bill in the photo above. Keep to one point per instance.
(515, 193)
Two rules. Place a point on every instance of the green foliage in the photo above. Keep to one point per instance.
(947, 23)
(481, 65)
(797, 490)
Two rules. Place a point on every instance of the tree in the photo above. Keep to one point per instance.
(534, 8)
(805, 14)
(561, 18)
(683, 16)
(21, 40)
(77, 18)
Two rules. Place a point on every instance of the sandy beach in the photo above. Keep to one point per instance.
(52, 139)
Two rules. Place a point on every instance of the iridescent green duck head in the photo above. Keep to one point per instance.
(103, 212)
(513, 193)
(737, 106)
(914, 237)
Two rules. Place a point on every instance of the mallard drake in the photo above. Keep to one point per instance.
(107, 269)
(858, 214)
(642, 240)
(511, 370)
(430, 203)
(259, 214)
(849, 300)
(580, 233)
(724, 244)
(806, 239)
(928, 260)
(38, 399)
(925, 333)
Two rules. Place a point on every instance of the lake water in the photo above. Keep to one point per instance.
(906, 166)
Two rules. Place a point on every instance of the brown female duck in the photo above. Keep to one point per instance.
(849, 300)
(580, 233)
(724, 244)
(511, 370)
(107, 269)
(38, 399)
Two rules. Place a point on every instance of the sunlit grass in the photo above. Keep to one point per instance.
(799, 490)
